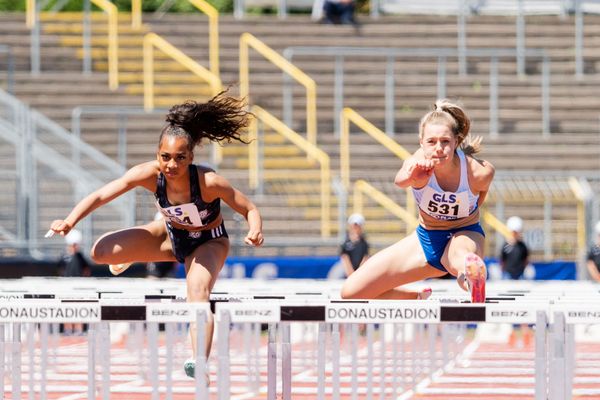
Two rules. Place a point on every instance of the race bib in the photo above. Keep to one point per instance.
(445, 205)
(183, 214)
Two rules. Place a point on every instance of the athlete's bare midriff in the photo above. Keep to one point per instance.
(428, 222)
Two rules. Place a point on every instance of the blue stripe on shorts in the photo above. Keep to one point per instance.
(433, 242)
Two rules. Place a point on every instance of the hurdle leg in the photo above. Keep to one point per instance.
(541, 361)
(223, 355)
(16, 361)
(256, 352)
(169, 327)
(201, 361)
(370, 365)
(105, 358)
(2, 360)
(152, 331)
(322, 337)
(286, 361)
(91, 390)
(272, 363)
(44, 330)
(31, 350)
(382, 362)
(354, 364)
(557, 358)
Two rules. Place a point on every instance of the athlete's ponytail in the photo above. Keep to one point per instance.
(222, 118)
(447, 113)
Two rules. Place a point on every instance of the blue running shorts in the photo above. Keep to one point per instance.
(433, 242)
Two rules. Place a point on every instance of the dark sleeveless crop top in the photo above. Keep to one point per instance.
(195, 214)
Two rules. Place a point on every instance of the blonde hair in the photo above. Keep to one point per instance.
(447, 113)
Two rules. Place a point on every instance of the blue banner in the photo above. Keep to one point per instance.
(330, 267)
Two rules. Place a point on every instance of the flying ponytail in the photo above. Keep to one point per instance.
(222, 118)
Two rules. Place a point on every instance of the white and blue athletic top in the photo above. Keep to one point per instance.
(447, 206)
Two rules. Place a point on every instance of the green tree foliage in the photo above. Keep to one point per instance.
(183, 6)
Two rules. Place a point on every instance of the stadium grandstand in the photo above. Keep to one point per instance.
(85, 86)
(527, 77)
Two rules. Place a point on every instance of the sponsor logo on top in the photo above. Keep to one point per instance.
(49, 312)
(175, 312)
(251, 312)
(384, 312)
(510, 314)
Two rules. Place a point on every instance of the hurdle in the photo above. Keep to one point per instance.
(313, 346)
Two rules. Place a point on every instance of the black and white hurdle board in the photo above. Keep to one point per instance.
(282, 310)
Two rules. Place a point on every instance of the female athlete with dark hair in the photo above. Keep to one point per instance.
(189, 197)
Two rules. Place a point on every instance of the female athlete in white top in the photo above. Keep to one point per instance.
(449, 185)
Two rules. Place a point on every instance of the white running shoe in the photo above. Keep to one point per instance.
(190, 370)
(117, 269)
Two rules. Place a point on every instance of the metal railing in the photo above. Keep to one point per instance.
(584, 195)
(32, 21)
(10, 68)
(152, 40)
(113, 41)
(526, 189)
(363, 188)
(22, 127)
(213, 28)
(349, 115)
(441, 54)
(122, 114)
(312, 151)
(247, 40)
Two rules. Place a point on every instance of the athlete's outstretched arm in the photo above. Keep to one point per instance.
(415, 171)
(220, 187)
(139, 175)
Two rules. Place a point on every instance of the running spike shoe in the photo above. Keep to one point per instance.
(475, 275)
(424, 294)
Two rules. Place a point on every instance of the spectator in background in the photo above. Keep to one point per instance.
(515, 254)
(355, 249)
(74, 264)
(514, 258)
(593, 256)
(339, 12)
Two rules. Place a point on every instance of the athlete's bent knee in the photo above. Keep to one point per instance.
(99, 253)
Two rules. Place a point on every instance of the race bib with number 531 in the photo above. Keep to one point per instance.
(445, 205)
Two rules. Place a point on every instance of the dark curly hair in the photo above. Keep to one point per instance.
(222, 118)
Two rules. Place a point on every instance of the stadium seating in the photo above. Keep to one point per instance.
(572, 146)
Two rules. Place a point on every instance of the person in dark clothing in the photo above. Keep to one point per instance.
(514, 258)
(74, 264)
(355, 249)
(339, 12)
(515, 254)
(593, 256)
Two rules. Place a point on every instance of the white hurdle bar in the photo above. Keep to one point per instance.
(554, 356)
(333, 313)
